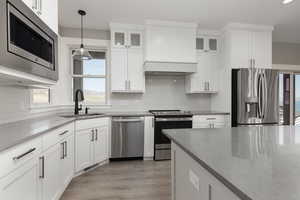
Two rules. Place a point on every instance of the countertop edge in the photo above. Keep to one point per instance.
(219, 177)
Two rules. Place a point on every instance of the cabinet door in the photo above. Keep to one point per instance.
(135, 39)
(119, 38)
(219, 125)
(101, 144)
(23, 183)
(202, 125)
(200, 44)
(136, 74)
(83, 141)
(51, 173)
(149, 137)
(49, 13)
(67, 170)
(240, 49)
(212, 44)
(118, 69)
(262, 49)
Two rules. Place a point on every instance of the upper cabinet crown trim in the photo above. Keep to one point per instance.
(208, 32)
(126, 26)
(171, 24)
(253, 27)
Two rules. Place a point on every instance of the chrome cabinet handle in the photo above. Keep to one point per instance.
(211, 118)
(63, 133)
(24, 154)
(96, 138)
(65, 149)
(62, 150)
(209, 192)
(42, 160)
(93, 136)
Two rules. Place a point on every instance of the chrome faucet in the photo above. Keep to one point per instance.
(77, 99)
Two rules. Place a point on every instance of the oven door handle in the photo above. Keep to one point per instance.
(173, 119)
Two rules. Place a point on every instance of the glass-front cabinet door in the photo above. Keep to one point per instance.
(207, 44)
(135, 39)
(119, 39)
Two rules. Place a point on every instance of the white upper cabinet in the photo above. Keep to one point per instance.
(127, 57)
(207, 44)
(170, 42)
(249, 46)
(47, 10)
(205, 79)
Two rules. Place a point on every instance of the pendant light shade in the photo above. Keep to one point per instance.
(82, 53)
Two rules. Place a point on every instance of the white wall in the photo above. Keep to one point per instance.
(162, 92)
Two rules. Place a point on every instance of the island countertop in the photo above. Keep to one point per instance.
(259, 163)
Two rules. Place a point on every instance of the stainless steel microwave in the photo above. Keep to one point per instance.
(27, 44)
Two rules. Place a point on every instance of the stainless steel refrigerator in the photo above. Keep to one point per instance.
(255, 97)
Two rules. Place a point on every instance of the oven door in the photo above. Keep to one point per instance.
(162, 143)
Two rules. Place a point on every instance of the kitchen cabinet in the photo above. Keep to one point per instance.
(209, 121)
(91, 142)
(101, 144)
(249, 47)
(207, 44)
(205, 79)
(67, 166)
(191, 181)
(149, 138)
(127, 73)
(50, 175)
(47, 10)
(22, 183)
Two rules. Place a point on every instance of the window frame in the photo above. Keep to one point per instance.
(34, 105)
(106, 76)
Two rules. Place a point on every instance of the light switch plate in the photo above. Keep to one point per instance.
(194, 179)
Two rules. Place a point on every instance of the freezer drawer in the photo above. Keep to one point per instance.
(127, 137)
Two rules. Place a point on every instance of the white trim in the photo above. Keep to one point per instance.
(253, 27)
(114, 25)
(192, 25)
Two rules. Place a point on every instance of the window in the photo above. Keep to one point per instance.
(90, 77)
(40, 96)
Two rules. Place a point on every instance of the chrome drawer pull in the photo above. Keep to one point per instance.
(24, 154)
(63, 133)
(211, 118)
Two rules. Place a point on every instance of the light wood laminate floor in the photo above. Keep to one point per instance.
(132, 180)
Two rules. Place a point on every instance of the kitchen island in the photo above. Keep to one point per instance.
(258, 163)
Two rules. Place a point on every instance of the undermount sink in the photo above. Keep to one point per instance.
(82, 115)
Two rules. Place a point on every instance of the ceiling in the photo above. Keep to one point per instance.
(207, 13)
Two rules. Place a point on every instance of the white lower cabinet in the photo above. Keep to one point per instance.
(149, 138)
(50, 172)
(100, 146)
(191, 181)
(91, 143)
(22, 183)
(67, 167)
(209, 121)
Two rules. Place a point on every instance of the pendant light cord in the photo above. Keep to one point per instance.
(82, 30)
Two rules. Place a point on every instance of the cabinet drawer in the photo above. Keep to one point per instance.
(209, 118)
(53, 137)
(91, 123)
(17, 156)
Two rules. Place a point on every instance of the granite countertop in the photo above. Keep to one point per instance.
(15, 133)
(259, 163)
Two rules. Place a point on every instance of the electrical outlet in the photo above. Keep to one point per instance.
(194, 179)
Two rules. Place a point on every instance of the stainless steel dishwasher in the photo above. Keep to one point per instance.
(127, 138)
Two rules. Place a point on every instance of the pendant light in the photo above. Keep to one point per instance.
(82, 53)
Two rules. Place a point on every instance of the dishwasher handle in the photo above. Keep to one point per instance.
(128, 120)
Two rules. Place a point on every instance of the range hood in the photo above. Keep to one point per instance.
(170, 47)
(155, 67)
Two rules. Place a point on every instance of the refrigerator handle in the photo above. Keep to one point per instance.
(260, 96)
(265, 95)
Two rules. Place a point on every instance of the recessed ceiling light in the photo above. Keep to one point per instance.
(287, 1)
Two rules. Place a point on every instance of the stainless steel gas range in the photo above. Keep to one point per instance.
(168, 119)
